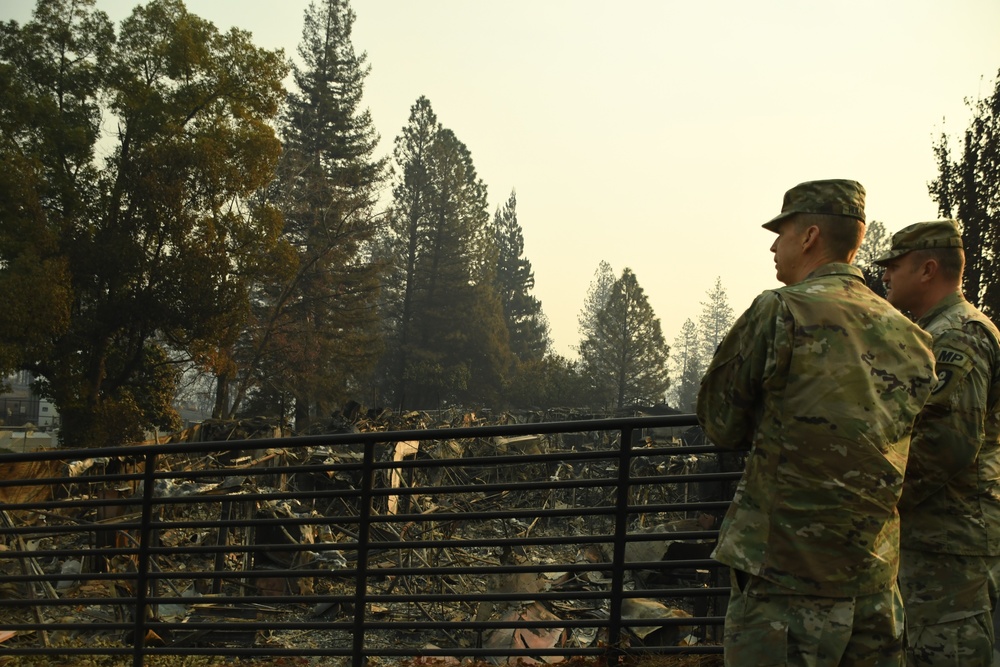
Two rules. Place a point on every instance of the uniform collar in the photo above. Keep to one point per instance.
(836, 268)
(944, 304)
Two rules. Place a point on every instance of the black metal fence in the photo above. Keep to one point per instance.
(526, 540)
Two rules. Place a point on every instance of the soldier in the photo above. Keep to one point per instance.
(950, 507)
(821, 381)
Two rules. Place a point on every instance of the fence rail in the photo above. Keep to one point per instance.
(493, 542)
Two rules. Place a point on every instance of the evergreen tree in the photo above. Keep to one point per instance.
(877, 241)
(448, 340)
(625, 357)
(402, 247)
(526, 326)
(688, 364)
(152, 250)
(715, 321)
(597, 297)
(968, 187)
(550, 382)
(317, 335)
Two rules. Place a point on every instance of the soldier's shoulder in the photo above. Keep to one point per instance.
(965, 324)
(765, 304)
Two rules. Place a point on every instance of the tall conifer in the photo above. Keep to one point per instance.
(448, 342)
(968, 188)
(625, 355)
(320, 327)
(522, 311)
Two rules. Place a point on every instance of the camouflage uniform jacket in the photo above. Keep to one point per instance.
(951, 496)
(822, 381)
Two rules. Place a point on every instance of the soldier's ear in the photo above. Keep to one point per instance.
(929, 268)
(810, 236)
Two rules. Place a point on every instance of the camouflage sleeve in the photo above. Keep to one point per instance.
(951, 426)
(730, 393)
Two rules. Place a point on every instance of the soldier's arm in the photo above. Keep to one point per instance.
(951, 426)
(729, 397)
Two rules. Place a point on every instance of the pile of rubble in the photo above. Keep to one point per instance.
(311, 526)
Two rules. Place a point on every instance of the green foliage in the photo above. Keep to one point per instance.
(877, 241)
(688, 364)
(597, 297)
(444, 320)
(522, 311)
(399, 249)
(625, 355)
(313, 337)
(153, 247)
(143, 401)
(715, 321)
(550, 382)
(695, 346)
(968, 187)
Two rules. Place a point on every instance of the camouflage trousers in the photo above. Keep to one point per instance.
(949, 602)
(768, 625)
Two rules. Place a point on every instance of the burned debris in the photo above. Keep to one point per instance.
(508, 546)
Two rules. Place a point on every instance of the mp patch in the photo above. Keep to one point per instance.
(950, 357)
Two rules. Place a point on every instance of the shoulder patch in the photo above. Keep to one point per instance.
(951, 356)
(943, 377)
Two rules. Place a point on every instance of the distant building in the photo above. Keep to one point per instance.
(20, 406)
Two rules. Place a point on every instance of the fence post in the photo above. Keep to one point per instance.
(615, 650)
(361, 567)
(143, 560)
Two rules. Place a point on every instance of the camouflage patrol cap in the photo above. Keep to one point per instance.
(923, 236)
(831, 197)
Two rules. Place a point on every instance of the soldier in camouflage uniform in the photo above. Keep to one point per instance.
(821, 381)
(950, 507)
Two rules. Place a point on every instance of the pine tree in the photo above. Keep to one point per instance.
(597, 297)
(716, 319)
(550, 382)
(688, 365)
(877, 241)
(448, 340)
(625, 356)
(318, 327)
(968, 187)
(402, 247)
(526, 326)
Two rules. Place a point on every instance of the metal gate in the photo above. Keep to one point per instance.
(568, 538)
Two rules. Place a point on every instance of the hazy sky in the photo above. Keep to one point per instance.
(658, 134)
